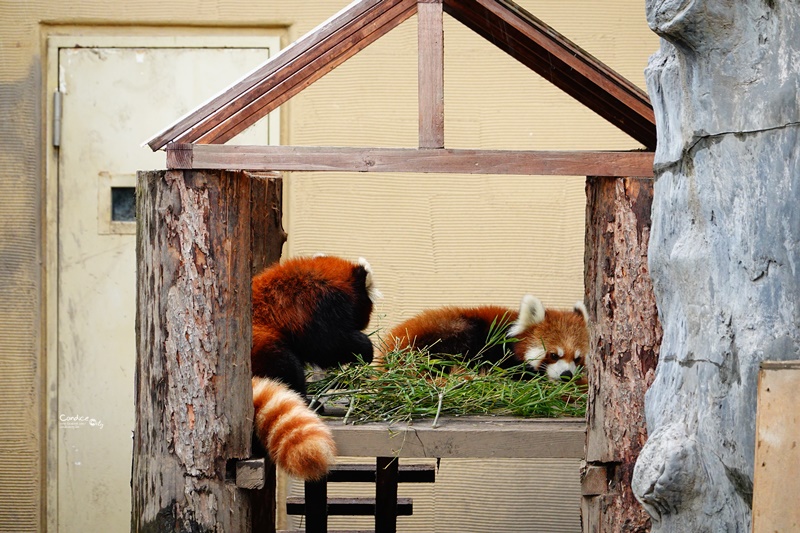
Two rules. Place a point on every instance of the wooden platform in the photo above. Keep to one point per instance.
(463, 437)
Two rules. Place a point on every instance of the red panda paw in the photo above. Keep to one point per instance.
(297, 440)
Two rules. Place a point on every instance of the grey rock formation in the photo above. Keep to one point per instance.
(724, 250)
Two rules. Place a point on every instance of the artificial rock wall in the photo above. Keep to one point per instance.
(724, 251)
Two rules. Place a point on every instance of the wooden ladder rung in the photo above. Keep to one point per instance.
(366, 473)
(349, 506)
(329, 531)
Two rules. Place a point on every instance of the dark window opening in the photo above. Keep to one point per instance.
(123, 204)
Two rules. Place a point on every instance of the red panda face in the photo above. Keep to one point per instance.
(551, 341)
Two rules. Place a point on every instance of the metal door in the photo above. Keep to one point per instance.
(112, 98)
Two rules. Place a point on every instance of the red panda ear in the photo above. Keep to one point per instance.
(531, 311)
(372, 290)
(580, 308)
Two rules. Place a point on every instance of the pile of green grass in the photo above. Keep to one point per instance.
(417, 384)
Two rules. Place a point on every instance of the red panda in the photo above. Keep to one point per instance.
(295, 437)
(552, 342)
(310, 310)
(306, 310)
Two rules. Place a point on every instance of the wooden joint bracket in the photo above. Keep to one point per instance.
(251, 474)
(180, 155)
(594, 480)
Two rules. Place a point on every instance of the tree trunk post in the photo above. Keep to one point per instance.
(267, 237)
(266, 207)
(192, 392)
(625, 339)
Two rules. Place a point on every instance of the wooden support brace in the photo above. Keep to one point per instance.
(316, 509)
(431, 73)
(594, 480)
(442, 161)
(386, 494)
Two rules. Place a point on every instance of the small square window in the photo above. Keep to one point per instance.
(123, 204)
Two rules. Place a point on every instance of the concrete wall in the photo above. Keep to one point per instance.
(431, 240)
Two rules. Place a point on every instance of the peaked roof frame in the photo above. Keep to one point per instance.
(194, 141)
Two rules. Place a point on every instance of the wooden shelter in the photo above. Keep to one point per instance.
(195, 141)
(194, 217)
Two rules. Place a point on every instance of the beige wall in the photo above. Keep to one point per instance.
(436, 240)
(431, 240)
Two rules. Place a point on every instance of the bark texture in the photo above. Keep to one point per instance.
(625, 342)
(724, 251)
(193, 392)
(267, 239)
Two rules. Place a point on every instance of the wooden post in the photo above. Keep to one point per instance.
(267, 238)
(192, 390)
(266, 207)
(386, 474)
(626, 336)
(431, 73)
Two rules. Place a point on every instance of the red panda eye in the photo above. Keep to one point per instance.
(553, 356)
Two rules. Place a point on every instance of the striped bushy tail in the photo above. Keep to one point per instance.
(297, 440)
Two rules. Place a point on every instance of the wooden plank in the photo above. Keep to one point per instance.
(287, 56)
(447, 161)
(625, 330)
(329, 531)
(776, 483)
(364, 473)
(463, 437)
(541, 48)
(274, 91)
(349, 506)
(430, 66)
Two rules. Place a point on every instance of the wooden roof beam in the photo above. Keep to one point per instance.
(423, 160)
(551, 55)
(297, 66)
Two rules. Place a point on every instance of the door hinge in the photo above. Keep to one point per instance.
(57, 100)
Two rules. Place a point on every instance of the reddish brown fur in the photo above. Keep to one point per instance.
(277, 292)
(464, 332)
(295, 437)
(451, 330)
(442, 323)
(310, 310)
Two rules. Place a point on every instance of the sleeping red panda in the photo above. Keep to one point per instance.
(552, 342)
(306, 310)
